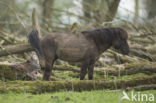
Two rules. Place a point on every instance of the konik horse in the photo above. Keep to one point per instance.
(85, 48)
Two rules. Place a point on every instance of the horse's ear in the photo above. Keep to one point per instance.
(116, 36)
(28, 61)
(117, 39)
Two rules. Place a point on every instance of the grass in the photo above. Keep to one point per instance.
(100, 96)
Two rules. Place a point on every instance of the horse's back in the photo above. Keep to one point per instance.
(71, 47)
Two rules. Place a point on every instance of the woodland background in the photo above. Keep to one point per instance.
(113, 71)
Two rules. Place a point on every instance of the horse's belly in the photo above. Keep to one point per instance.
(71, 54)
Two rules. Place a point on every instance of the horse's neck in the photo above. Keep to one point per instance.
(104, 48)
(106, 45)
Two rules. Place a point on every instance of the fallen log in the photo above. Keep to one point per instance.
(15, 49)
(77, 85)
(10, 72)
(142, 41)
(142, 54)
(134, 68)
(128, 69)
(125, 59)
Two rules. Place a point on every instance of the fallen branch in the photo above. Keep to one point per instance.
(134, 68)
(15, 49)
(142, 54)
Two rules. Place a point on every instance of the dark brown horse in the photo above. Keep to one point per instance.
(85, 47)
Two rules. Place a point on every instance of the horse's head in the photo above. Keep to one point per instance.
(120, 41)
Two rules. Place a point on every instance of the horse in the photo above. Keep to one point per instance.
(85, 48)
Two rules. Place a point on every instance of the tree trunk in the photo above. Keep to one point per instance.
(47, 13)
(113, 7)
(100, 10)
(151, 8)
(136, 11)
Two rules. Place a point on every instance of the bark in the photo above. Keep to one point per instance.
(77, 85)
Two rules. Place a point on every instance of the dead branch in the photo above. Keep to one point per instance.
(142, 87)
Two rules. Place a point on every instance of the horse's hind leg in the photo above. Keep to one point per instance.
(90, 71)
(48, 67)
(47, 70)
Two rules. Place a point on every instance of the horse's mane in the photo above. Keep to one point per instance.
(101, 36)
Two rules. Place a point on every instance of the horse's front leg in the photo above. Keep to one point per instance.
(83, 71)
(90, 71)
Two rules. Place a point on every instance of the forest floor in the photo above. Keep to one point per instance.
(61, 96)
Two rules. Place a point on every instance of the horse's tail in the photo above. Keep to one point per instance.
(34, 40)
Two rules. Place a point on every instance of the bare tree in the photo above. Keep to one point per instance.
(47, 13)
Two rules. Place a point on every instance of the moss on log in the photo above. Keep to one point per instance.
(79, 85)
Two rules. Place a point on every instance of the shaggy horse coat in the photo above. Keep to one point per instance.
(85, 47)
